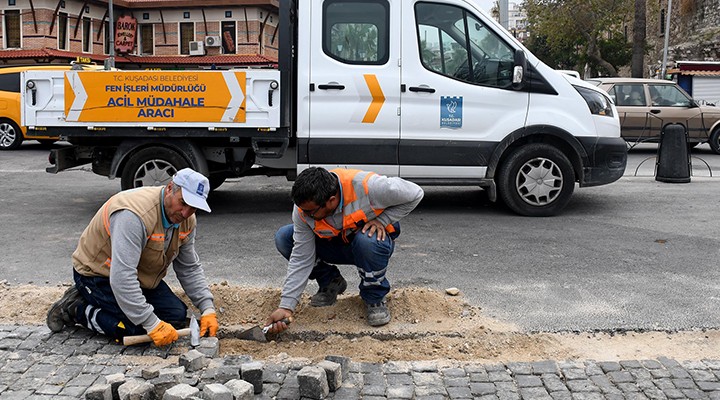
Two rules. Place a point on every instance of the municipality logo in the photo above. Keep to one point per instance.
(201, 189)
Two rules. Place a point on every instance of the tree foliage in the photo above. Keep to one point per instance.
(591, 29)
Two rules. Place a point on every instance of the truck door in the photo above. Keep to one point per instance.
(458, 101)
(354, 85)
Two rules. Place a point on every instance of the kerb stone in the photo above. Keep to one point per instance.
(313, 382)
(240, 389)
(216, 391)
(333, 371)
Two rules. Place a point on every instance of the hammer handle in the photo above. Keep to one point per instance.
(131, 340)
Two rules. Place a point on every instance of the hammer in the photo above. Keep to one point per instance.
(193, 331)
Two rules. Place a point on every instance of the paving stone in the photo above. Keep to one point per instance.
(85, 380)
(193, 360)
(574, 373)
(660, 373)
(216, 391)
(507, 395)
(604, 384)
(241, 390)
(712, 364)
(553, 383)
(373, 379)
(544, 367)
(479, 376)
(684, 384)
(592, 369)
(621, 377)
(99, 392)
(313, 382)
(674, 393)
(173, 371)
(75, 391)
(645, 384)
(693, 393)
(528, 381)
(561, 395)
(345, 364)
(373, 390)
(582, 386)
(481, 388)
(399, 379)
(609, 366)
(453, 382)
(349, 393)
(181, 391)
(333, 371)
(368, 368)
(588, 396)
(639, 374)
(424, 366)
(499, 376)
(47, 389)
(708, 386)
(421, 391)
(209, 346)
(152, 371)
(162, 383)
(702, 375)
(427, 378)
(535, 393)
(694, 365)
(669, 363)
(520, 368)
(654, 394)
(459, 393)
(651, 364)
(253, 372)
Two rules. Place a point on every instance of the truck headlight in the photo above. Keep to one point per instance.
(598, 103)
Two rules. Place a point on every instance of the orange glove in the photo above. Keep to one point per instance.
(163, 334)
(209, 323)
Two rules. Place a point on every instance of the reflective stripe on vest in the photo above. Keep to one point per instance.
(356, 205)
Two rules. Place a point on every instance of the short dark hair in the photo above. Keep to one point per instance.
(314, 184)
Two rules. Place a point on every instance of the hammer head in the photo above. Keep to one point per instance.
(194, 332)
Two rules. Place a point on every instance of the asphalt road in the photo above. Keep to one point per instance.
(636, 254)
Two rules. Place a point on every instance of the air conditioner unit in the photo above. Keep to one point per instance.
(212, 41)
(197, 48)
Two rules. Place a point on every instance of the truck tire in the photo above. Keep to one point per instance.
(151, 166)
(714, 141)
(536, 180)
(10, 135)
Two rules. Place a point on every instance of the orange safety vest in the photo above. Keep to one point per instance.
(356, 206)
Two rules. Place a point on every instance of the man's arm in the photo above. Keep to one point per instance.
(302, 261)
(128, 237)
(396, 196)
(191, 276)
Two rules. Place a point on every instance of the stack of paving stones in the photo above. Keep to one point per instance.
(74, 364)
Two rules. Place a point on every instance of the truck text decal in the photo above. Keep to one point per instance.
(155, 96)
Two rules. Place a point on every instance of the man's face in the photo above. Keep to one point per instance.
(314, 210)
(176, 210)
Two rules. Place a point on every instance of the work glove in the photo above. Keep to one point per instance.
(163, 334)
(209, 323)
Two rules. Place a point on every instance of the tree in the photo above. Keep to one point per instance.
(587, 25)
(639, 43)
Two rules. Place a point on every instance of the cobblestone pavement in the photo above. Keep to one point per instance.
(37, 364)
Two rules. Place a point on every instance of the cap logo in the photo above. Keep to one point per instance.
(201, 189)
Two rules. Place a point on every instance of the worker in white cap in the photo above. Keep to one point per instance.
(123, 256)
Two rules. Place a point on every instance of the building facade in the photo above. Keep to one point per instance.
(145, 34)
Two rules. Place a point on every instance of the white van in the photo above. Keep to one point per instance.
(433, 91)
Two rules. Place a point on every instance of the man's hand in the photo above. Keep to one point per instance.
(275, 319)
(209, 323)
(375, 226)
(163, 334)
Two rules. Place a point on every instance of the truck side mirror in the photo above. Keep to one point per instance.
(519, 69)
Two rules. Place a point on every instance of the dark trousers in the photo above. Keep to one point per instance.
(369, 255)
(101, 313)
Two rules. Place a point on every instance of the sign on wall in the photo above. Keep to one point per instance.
(125, 34)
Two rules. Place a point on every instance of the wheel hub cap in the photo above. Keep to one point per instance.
(539, 181)
(154, 173)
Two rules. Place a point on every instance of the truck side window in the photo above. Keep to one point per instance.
(356, 32)
(456, 44)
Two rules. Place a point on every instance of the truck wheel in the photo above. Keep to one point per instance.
(10, 135)
(536, 180)
(715, 141)
(152, 166)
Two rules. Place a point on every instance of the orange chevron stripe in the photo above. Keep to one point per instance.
(378, 98)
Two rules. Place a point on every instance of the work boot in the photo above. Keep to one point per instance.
(378, 314)
(327, 295)
(62, 313)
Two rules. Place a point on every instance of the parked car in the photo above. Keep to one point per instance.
(12, 133)
(645, 106)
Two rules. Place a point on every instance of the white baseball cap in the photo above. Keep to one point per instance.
(195, 188)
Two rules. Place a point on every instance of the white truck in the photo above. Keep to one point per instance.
(432, 91)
